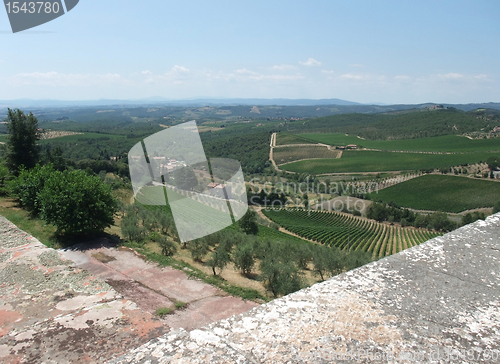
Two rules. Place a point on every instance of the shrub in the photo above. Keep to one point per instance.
(131, 229)
(77, 203)
(496, 208)
(168, 248)
(198, 248)
(4, 175)
(28, 186)
(243, 258)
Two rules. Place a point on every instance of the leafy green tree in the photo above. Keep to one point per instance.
(131, 230)
(279, 274)
(303, 255)
(198, 248)
(4, 173)
(421, 221)
(354, 259)
(185, 178)
(493, 163)
(470, 218)
(377, 211)
(168, 248)
(243, 257)
(22, 148)
(164, 221)
(321, 261)
(28, 186)
(77, 203)
(248, 223)
(440, 222)
(219, 259)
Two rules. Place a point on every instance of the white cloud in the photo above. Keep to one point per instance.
(310, 62)
(284, 67)
(349, 76)
(327, 72)
(402, 78)
(451, 75)
(146, 72)
(357, 65)
(179, 69)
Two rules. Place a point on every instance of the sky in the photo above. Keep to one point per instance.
(365, 51)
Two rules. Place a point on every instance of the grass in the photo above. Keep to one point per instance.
(291, 154)
(447, 143)
(180, 305)
(442, 192)
(163, 311)
(33, 226)
(370, 161)
(285, 139)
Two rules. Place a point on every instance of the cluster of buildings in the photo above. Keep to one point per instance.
(217, 190)
(350, 146)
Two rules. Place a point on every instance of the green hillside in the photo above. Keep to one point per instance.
(442, 192)
(416, 123)
(368, 161)
(446, 143)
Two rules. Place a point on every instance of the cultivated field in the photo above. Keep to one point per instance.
(371, 161)
(443, 193)
(349, 232)
(447, 143)
(284, 155)
(286, 139)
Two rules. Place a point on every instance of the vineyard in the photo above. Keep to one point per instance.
(283, 155)
(346, 231)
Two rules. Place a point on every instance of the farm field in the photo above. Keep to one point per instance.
(372, 161)
(285, 139)
(84, 136)
(442, 193)
(72, 138)
(447, 143)
(290, 154)
(349, 232)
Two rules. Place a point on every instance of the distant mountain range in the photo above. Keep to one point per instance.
(344, 105)
(164, 101)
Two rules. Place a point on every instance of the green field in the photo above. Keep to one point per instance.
(369, 161)
(285, 139)
(447, 143)
(73, 138)
(80, 137)
(442, 192)
(349, 232)
(283, 155)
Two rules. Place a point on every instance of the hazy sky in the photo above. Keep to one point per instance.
(366, 51)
